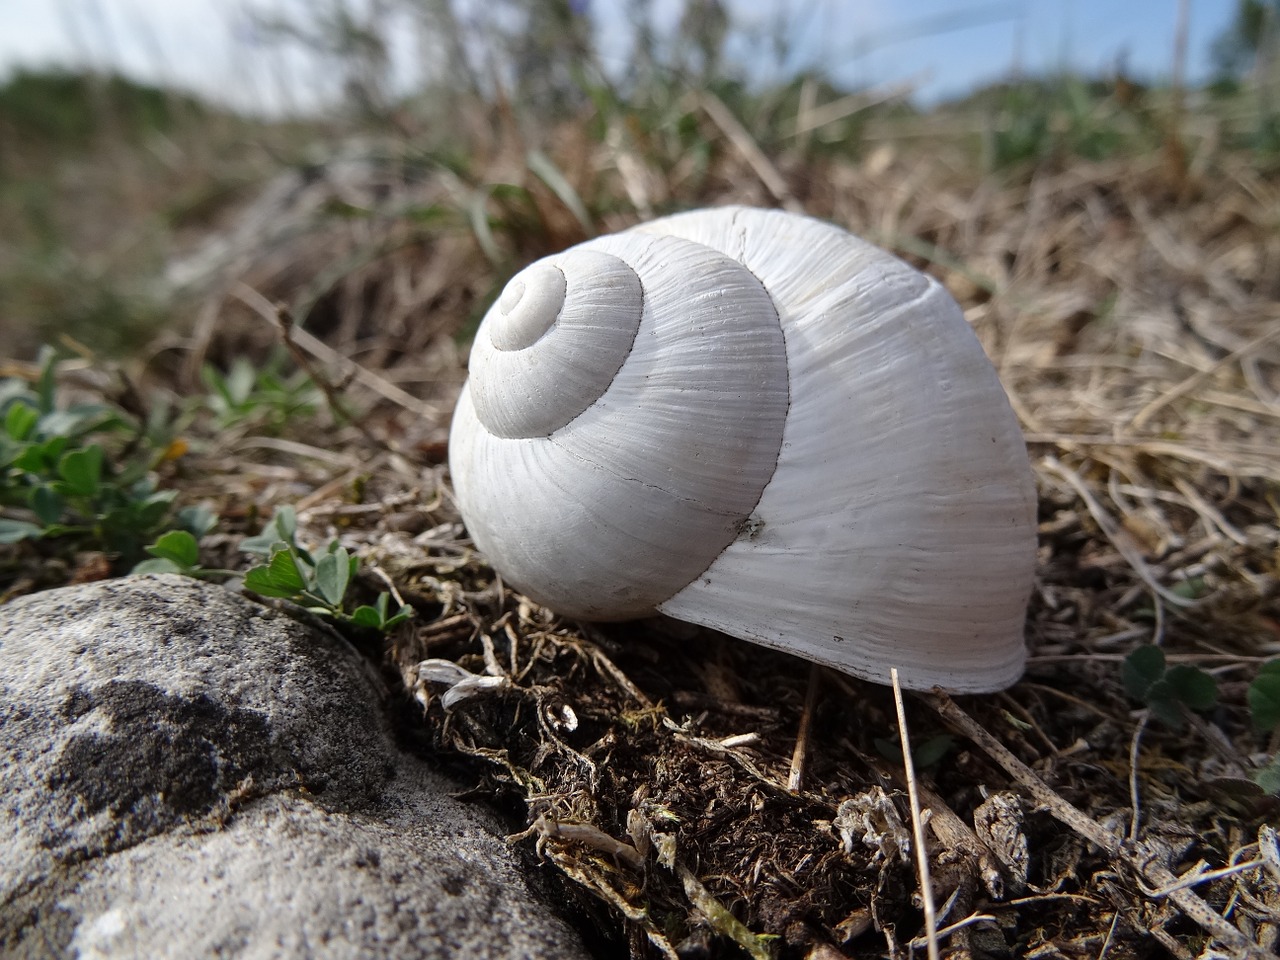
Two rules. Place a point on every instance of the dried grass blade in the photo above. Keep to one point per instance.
(1140, 418)
(1113, 533)
(917, 822)
(545, 170)
(844, 107)
(327, 355)
(746, 145)
(478, 217)
(722, 921)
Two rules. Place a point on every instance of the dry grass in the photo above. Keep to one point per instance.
(1133, 310)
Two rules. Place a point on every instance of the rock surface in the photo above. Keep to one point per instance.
(185, 773)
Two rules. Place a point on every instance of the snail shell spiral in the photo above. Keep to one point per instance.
(756, 422)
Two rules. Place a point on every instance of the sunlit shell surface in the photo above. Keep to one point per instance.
(760, 423)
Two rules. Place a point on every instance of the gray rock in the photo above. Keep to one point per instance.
(185, 773)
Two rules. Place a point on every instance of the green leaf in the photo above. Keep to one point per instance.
(1165, 707)
(401, 615)
(479, 218)
(431, 214)
(333, 571)
(263, 543)
(375, 617)
(922, 754)
(66, 424)
(41, 458)
(240, 381)
(1192, 686)
(64, 529)
(1264, 697)
(285, 571)
(366, 616)
(550, 174)
(151, 511)
(81, 471)
(1268, 777)
(1192, 589)
(1142, 669)
(259, 581)
(157, 565)
(286, 521)
(1016, 722)
(11, 531)
(889, 749)
(177, 546)
(283, 528)
(46, 504)
(12, 391)
(48, 381)
(19, 420)
(197, 519)
(932, 750)
(30, 460)
(281, 577)
(52, 450)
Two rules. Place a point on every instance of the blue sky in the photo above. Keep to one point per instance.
(943, 46)
(1089, 35)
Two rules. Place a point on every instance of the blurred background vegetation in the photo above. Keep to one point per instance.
(106, 183)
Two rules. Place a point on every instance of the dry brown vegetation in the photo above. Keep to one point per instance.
(697, 796)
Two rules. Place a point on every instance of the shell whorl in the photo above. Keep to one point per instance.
(545, 352)
(625, 427)
(791, 436)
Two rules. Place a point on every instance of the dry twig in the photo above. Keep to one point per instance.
(917, 823)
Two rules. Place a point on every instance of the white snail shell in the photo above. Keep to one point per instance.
(756, 422)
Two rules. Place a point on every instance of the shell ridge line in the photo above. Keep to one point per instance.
(786, 415)
(740, 235)
(930, 289)
(631, 346)
(728, 514)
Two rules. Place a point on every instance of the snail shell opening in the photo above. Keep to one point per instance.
(760, 423)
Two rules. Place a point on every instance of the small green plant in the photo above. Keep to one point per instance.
(1264, 697)
(1268, 776)
(261, 398)
(57, 481)
(1264, 707)
(178, 551)
(317, 583)
(923, 755)
(1167, 691)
